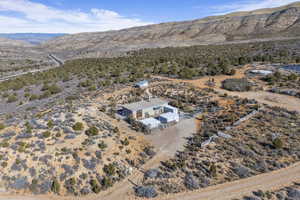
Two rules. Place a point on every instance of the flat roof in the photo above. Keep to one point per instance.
(261, 71)
(142, 82)
(169, 115)
(145, 104)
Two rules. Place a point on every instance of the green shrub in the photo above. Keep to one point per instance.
(213, 170)
(78, 126)
(55, 187)
(34, 185)
(27, 95)
(4, 144)
(33, 97)
(128, 151)
(95, 186)
(46, 134)
(116, 130)
(50, 124)
(45, 95)
(28, 127)
(86, 83)
(109, 169)
(72, 181)
(22, 147)
(71, 98)
(93, 131)
(4, 164)
(93, 88)
(12, 98)
(125, 142)
(102, 145)
(106, 182)
(54, 89)
(2, 126)
(277, 143)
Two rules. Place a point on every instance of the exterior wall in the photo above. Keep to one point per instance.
(146, 112)
(127, 112)
(170, 119)
(142, 85)
(170, 109)
(133, 115)
(163, 120)
(151, 123)
(153, 111)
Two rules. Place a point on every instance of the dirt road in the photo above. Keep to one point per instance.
(237, 189)
(58, 63)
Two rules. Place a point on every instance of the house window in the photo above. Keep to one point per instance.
(139, 114)
(157, 108)
(147, 115)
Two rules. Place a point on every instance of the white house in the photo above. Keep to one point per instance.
(151, 113)
(171, 109)
(144, 109)
(142, 84)
(169, 118)
(261, 72)
(151, 123)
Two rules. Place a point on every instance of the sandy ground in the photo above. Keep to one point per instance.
(173, 139)
(166, 142)
(268, 181)
(272, 99)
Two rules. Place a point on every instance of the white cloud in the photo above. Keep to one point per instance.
(41, 18)
(249, 5)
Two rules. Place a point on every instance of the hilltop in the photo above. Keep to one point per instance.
(264, 24)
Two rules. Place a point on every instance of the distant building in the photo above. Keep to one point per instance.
(144, 109)
(142, 84)
(261, 72)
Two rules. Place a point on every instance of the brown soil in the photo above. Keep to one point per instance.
(268, 181)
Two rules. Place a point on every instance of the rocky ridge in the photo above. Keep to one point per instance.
(265, 24)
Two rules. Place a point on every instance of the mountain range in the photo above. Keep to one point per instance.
(259, 25)
(33, 38)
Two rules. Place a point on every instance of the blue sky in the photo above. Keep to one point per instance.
(74, 16)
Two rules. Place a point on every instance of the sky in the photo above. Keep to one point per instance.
(75, 16)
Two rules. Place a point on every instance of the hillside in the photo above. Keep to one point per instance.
(18, 55)
(19, 50)
(265, 24)
(32, 38)
(6, 42)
